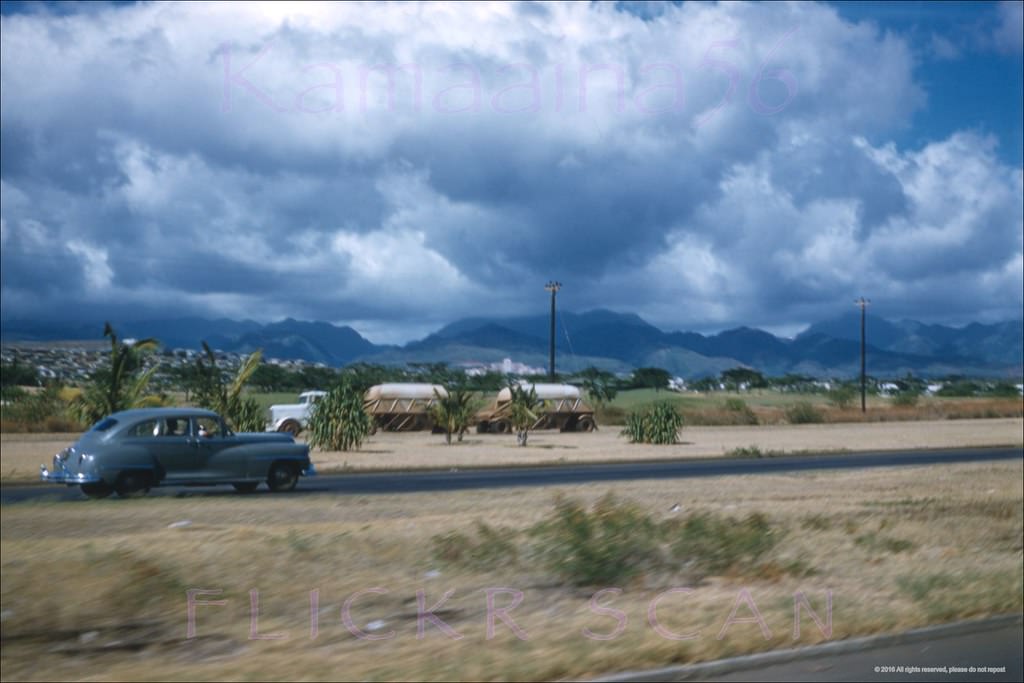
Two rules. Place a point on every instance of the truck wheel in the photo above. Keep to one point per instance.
(482, 427)
(292, 427)
(500, 427)
(283, 476)
(585, 424)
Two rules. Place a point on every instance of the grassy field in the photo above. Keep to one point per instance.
(97, 589)
(770, 407)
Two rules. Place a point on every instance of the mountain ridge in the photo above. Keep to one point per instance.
(599, 337)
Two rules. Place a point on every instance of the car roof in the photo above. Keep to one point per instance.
(152, 413)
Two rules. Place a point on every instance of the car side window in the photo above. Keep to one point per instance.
(148, 428)
(208, 427)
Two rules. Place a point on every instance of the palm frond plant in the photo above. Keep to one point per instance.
(454, 412)
(523, 409)
(213, 391)
(120, 385)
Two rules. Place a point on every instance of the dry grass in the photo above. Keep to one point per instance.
(21, 454)
(897, 548)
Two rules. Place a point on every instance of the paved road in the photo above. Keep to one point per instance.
(996, 656)
(456, 480)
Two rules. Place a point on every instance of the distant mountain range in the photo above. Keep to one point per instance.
(609, 340)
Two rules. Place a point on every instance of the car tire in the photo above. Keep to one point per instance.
(283, 476)
(246, 486)
(97, 490)
(132, 484)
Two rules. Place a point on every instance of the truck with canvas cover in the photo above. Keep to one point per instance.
(402, 406)
(561, 407)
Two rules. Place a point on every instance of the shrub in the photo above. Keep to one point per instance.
(338, 421)
(492, 548)
(715, 544)
(906, 398)
(803, 413)
(739, 408)
(842, 396)
(660, 424)
(604, 546)
(748, 452)
(41, 411)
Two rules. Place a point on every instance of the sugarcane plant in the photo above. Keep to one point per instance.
(660, 424)
(339, 422)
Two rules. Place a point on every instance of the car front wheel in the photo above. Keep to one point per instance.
(282, 477)
(98, 490)
(132, 484)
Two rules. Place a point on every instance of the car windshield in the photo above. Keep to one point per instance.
(104, 424)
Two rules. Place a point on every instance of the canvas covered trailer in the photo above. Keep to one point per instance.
(402, 406)
(562, 407)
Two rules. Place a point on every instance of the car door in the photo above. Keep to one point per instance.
(217, 458)
(167, 445)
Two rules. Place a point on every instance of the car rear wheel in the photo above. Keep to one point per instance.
(282, 477)
(98, 490)
(246, 486)
(132, 484)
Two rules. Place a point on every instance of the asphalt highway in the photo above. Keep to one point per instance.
(464, 479)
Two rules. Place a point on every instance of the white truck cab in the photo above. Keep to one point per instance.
(293, 418)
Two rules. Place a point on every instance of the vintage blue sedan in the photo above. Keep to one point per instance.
(131, 451)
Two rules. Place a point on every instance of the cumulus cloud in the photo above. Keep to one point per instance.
(401, 165)
(1008, 35)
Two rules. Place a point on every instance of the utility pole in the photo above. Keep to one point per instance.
(862, 303)
(552, 287)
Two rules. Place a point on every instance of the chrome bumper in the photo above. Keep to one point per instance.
(65, 477)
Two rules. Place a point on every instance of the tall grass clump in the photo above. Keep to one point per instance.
(339, 422)
(659, 424)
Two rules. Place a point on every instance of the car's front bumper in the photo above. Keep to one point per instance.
(309, 471)
(62, 476)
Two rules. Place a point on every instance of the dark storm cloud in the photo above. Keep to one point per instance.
(260, 160)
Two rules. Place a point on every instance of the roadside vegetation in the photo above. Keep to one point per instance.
(738, 396)
(870, 552)
(338, 422)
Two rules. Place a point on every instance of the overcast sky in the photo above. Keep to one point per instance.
(395, 167)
